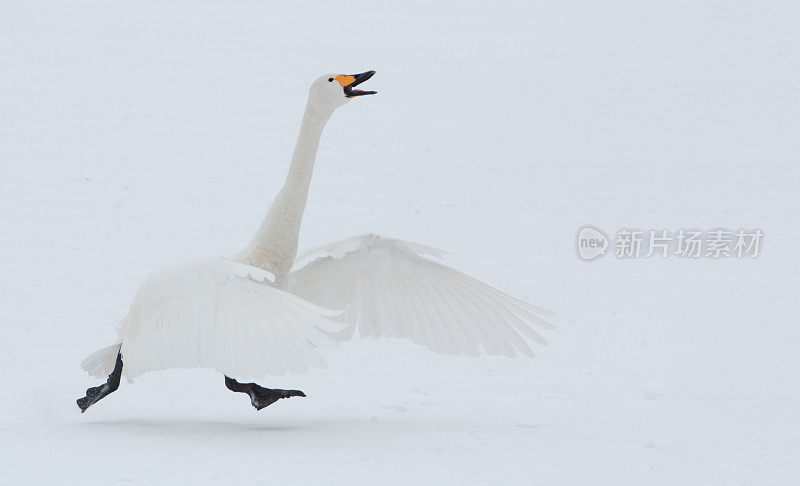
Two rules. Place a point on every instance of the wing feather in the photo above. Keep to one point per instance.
(390, 289)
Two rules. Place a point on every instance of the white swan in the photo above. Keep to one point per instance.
(261, 312)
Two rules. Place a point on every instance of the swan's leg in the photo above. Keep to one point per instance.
(260, 397)
(96, 393)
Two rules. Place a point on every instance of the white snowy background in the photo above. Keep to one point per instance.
(137, 134)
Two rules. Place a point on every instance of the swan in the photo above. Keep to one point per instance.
(263, 311)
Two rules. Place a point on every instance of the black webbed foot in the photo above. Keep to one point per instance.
(97, 393)
(93, 395)
(261, 397)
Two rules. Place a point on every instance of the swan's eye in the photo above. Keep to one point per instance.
(330, 80)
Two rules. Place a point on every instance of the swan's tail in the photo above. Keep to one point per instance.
(100, 364)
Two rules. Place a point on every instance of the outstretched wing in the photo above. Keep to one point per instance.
(223, 315)
(388, 288)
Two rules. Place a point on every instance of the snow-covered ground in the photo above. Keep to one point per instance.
(136, 134)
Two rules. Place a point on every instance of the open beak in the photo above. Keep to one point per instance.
(350, 81)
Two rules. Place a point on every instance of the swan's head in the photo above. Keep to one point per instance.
(334, 90)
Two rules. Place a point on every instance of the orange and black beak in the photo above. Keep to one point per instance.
(350, 81)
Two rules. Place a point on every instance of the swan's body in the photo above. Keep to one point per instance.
(220, 314)
(261, 312)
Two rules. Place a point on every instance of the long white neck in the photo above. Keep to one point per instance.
(274, 245)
